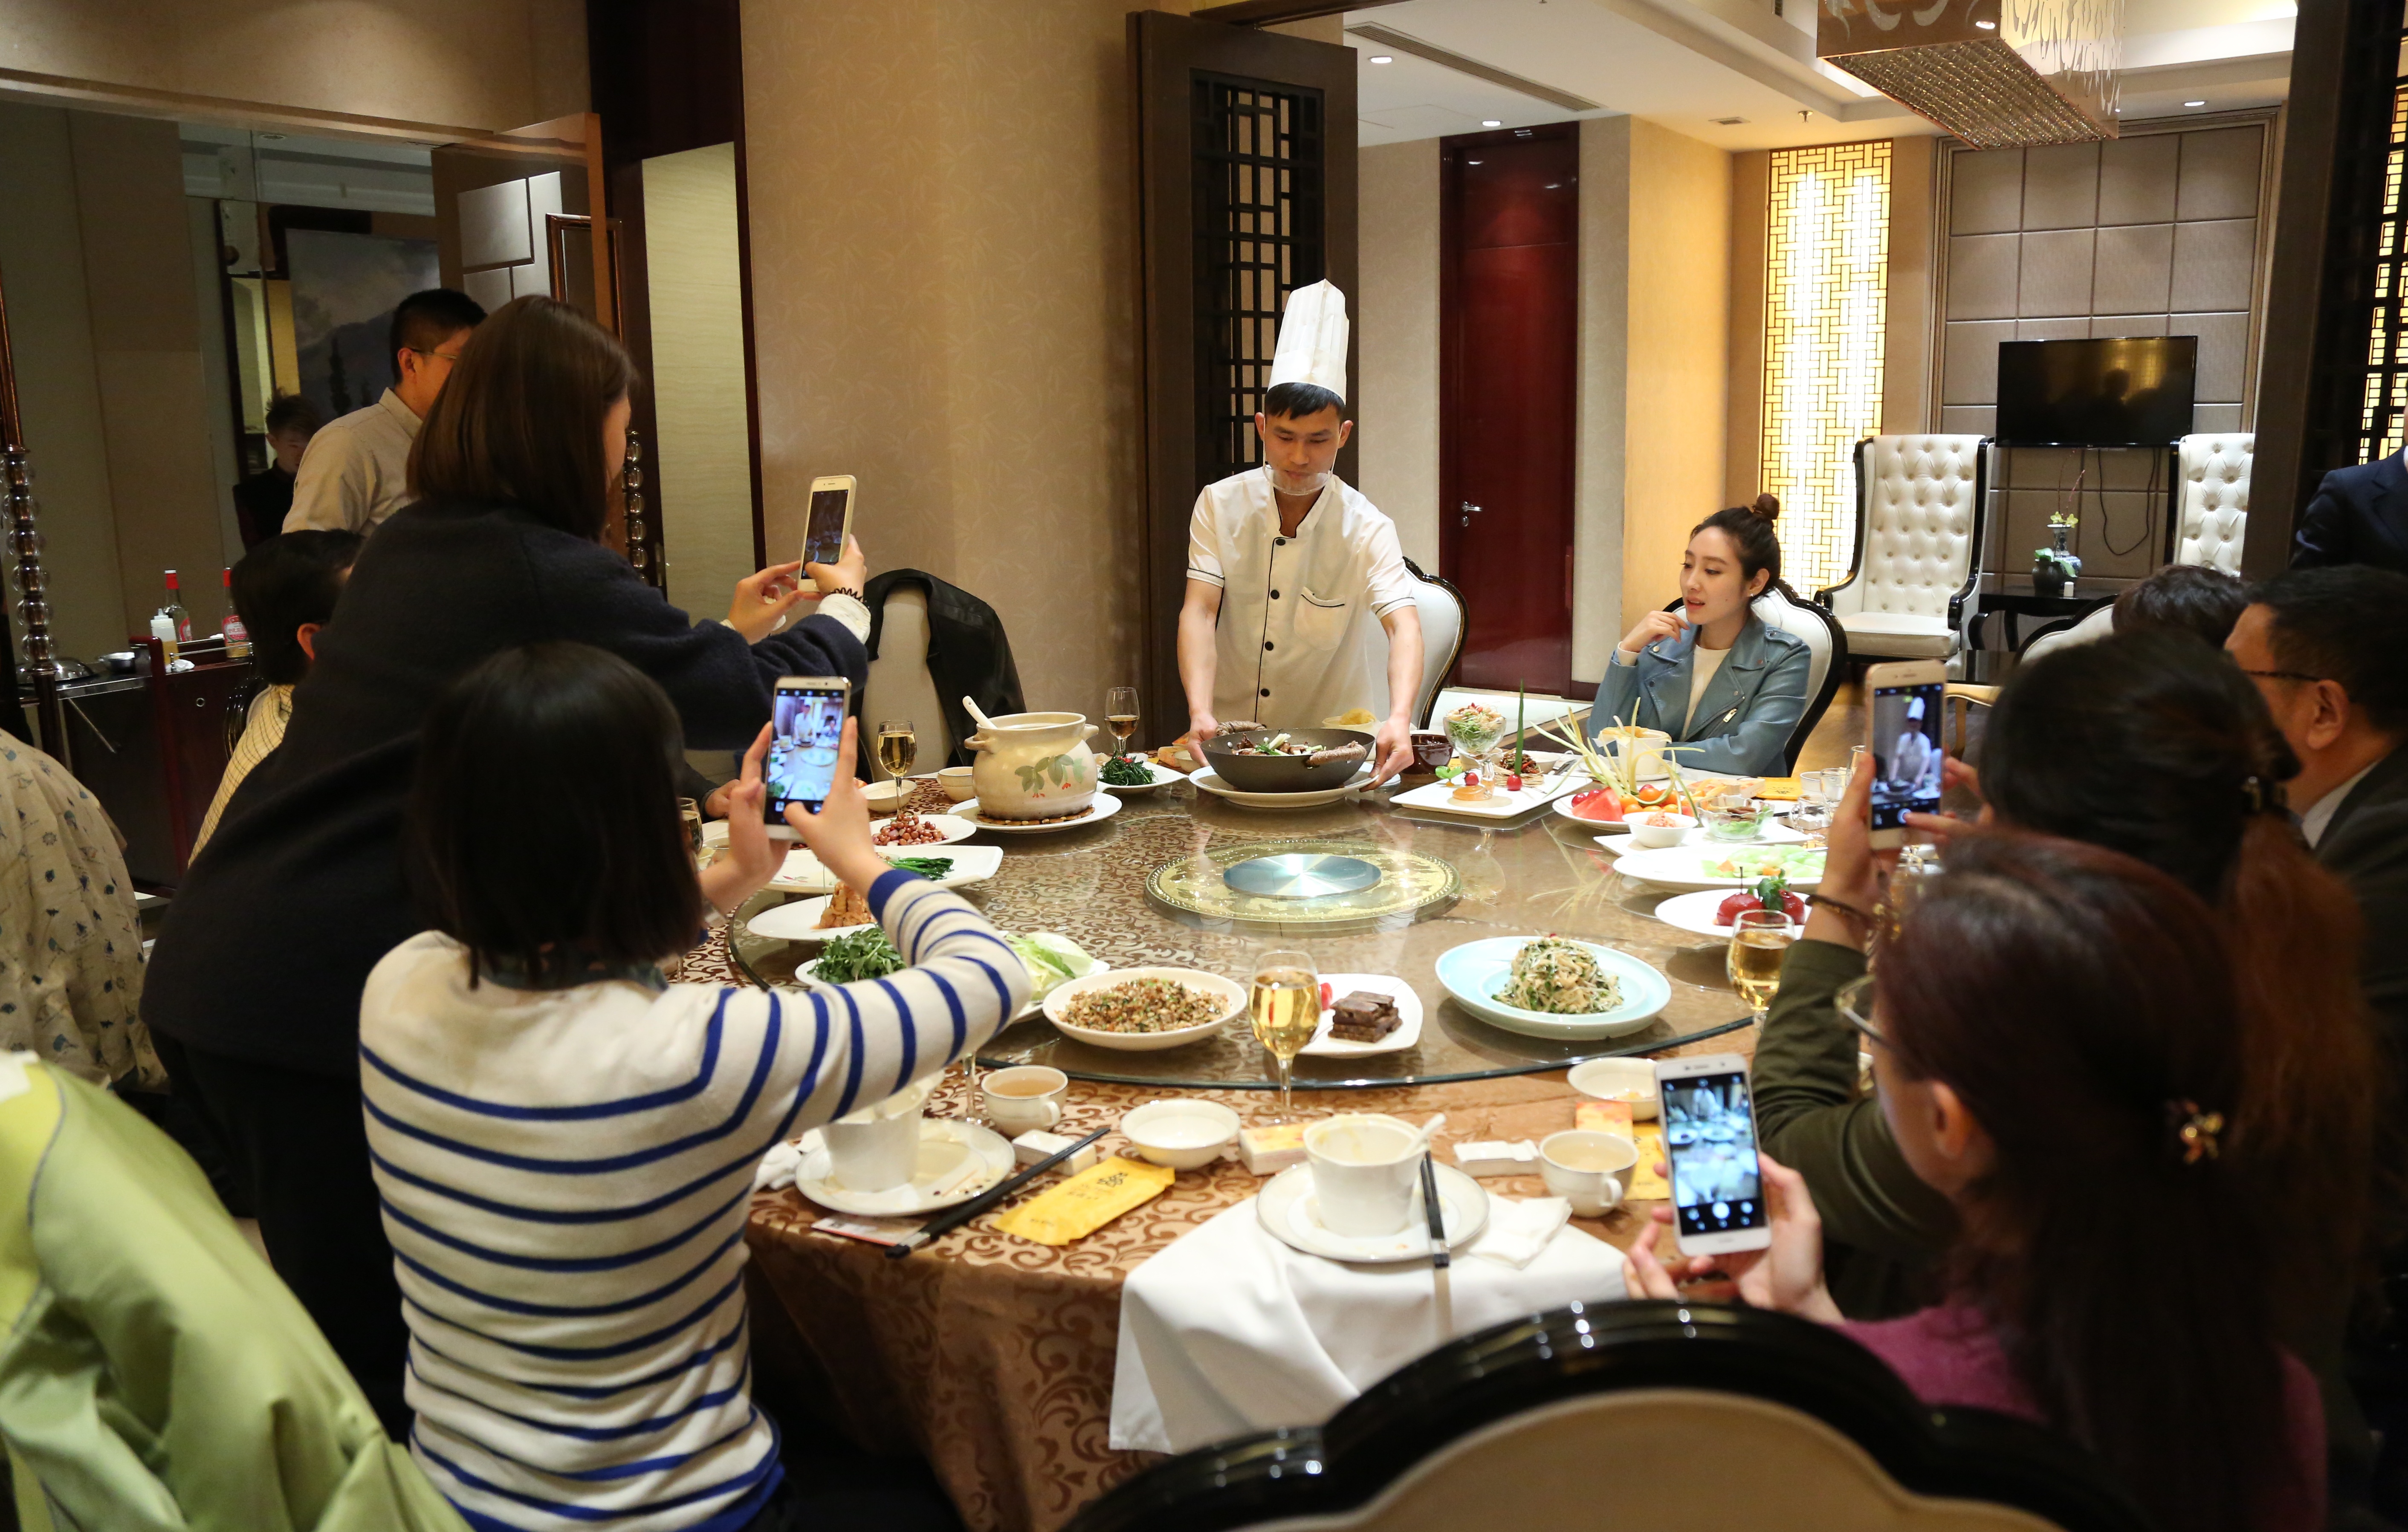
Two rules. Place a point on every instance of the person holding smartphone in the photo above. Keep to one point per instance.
(2102, 1167)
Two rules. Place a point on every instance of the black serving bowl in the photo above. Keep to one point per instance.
(1249, 772)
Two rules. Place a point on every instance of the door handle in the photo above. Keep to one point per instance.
(1469, 510)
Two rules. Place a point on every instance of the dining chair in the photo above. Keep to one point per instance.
(1919, 535)
(1827, 647)
(2215, 473)
(1671, 1413)
(1441, 609)
(930, 644)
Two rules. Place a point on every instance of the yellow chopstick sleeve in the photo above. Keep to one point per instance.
(1086, 1202)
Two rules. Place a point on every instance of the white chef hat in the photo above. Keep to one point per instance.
(1313, 340)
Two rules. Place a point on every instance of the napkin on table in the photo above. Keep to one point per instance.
(1229, 1330)
(1519, 1233)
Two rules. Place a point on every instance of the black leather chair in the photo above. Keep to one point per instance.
(1640, 1414)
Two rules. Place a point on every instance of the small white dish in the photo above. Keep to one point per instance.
(1163, 777)
(1409, 1017)
(884, 796)
(952, 826)
(1104, 806)
(1232, 994)
(1209, 781)
(1685, 866)
(1287, 1210)
(1439, 797)
(1631, 1082)
(800, 922)
(957, 1161)
(1564, 805)
(971, 864)
(1649, 835)
(1181, 1132)
(956, 781)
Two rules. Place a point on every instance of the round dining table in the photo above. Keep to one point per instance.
(992, 1356)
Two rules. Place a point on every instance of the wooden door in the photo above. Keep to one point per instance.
(1509, 333)
(1245, 192)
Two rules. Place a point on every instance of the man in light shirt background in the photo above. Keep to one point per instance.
(356, 471)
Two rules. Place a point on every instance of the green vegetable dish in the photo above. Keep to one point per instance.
(1125, 771)
(1051, 959)
(864, 954)
(1560, 977)
(927, 867)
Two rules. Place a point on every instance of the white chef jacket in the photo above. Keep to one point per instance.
(356, 471)
(1299, 638)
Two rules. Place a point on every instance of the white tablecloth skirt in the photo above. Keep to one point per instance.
(1229, 1330)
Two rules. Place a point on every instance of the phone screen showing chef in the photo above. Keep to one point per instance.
(824, 533)
(1709, 1144)
(1906, 752)
(807, 727)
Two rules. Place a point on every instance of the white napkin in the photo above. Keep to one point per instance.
(1229, 1330)
(1517, 1232)
(780, 1166)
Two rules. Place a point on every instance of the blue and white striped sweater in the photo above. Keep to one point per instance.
(565, 1177)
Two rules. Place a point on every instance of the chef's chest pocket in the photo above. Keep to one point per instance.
(1321, 621)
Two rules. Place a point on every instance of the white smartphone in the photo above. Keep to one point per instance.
(807, 719)
(1709, 1146)
(831, 519)
(1903, 740)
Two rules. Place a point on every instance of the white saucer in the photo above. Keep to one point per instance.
(1683, 866)
(800, 920)
(945, 1142)
(1163, 777)
(1409, 1017)
(952, 826)
(1695, 912)
(1287, 1210)
(1103, 808)
(1210, 781)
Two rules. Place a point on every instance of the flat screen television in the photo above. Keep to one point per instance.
(2134, 392)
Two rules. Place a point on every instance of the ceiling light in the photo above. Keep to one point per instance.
(1491, 123)
(1987, 26)
(1555, 186)
(1382, 58)
(2194, 103)
(1728, 122)
(1471, 161)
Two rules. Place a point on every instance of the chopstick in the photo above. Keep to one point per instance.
(954, 1218)
(1439, 1257)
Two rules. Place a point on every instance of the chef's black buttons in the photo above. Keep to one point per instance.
(1279, 542)
(1275, 595)
(1267, 644)
(1267, 690)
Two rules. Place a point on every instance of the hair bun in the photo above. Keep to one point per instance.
(1767, 506)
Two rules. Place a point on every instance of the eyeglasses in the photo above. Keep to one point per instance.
(1854, 1001)
(447, 356)
(2283, 674)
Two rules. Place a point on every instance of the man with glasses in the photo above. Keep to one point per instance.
(356, 471)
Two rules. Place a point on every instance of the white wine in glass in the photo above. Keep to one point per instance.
(1120, 711)
(1285, 1006)
(1758, 939)
(899, 746)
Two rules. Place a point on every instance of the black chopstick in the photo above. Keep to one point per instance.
(1439, 1257)
(954, 1218)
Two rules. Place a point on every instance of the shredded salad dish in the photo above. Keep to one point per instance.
(1560, 977)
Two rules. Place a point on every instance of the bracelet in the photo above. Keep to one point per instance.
(843, 590)
(1824, 901)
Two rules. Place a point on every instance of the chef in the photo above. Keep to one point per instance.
(1299, 608)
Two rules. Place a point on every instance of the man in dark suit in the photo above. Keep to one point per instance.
(2359, 515)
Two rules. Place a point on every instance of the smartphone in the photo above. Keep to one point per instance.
(1709, 1146)
(1904, 743)
(831, 519)
(807, 727)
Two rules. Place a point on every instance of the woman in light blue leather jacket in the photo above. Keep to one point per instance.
(1710, 671)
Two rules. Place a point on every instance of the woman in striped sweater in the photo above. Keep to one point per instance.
(564, 1144)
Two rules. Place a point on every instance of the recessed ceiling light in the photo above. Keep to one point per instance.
(1471, 161)
(1987, 26)
(1382, 58)
(2194, 103)
(1555, 186)
(1491, 123)
(1728, 122)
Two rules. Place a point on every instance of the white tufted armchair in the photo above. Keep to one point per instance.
(1918, 526)
(2214, 499)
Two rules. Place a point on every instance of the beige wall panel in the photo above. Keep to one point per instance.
(1597, 475)
(489, 64)
(1679, 338)
(41, 260)
(161, 477)
(1907, 406)
(1743, 453)
(1396, 329)
(130, 176)
(704, 456)
(945, 305)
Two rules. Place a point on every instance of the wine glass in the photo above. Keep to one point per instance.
(1120, 711)
(899, 746)
(1758, 939)
(1285, 1005)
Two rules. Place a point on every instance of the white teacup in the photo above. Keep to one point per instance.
(1586, 1167)
(878, 1148)
(1024, 1098)
(1363, 1172)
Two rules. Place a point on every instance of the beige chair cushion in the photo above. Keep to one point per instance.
(1898, 636)
(899, 684)
(1691, 1460)
(2215, 498)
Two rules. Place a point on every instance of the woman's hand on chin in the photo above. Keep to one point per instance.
(753, 858)
(1655, 625)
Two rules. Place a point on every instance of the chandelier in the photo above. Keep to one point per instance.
(1998, 74)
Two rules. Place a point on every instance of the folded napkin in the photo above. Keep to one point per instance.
(777, 1168)
(1519, 1232)
(1229, 1330)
